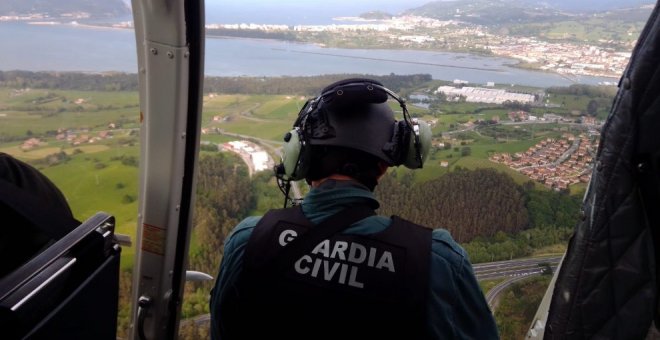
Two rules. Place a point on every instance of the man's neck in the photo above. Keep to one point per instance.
(336, 177)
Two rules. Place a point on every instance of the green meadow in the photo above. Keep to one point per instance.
(593, 30)
(103, 175)
(39, 111)
(262, 116)
(99, 181)
(96, 176)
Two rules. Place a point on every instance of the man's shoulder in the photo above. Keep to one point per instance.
(241, 233)
(247, 224)
(444, 238)
(444, 247)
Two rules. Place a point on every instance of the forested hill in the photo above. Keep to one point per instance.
(58, 9)
(476, 203)
(487, 12)
(225, 195)
(467, 203)
(515, 12)
(305, 85)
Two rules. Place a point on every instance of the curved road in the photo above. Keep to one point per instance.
(491, 296)
(267, 143)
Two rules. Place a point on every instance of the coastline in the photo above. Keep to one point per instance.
(525, 66)
(518, 63)
(75, 24)
(515, 63)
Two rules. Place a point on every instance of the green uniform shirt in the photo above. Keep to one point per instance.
(457, 308)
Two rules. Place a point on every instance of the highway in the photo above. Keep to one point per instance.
(514, 271)
(513, 268)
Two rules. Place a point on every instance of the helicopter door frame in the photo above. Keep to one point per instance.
(170, 48)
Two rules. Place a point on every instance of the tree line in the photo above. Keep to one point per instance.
(468, 203)
(253, 34)
(485, 210)
(117, 81)
(585, 90)
(109, 81)
(304, 85)
(225, 195)
(475, 205)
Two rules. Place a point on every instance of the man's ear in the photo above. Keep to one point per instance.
(382, 167)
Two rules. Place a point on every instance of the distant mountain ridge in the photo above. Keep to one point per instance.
(59, 9)
(503, 12)
(487, 12)
(590, 5)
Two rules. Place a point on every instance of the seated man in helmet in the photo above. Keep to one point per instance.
(330, 268)
(34, 213)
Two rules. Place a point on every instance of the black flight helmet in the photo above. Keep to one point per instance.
(353, 113)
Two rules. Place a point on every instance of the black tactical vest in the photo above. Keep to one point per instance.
(343, 287)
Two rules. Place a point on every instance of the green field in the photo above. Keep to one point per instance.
(102, 175)
(261, 116)
(606, 29)
(40, 153)
(112, 189)
(37, 111)
(94, 178)
(593, 30)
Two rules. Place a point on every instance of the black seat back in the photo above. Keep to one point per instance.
(68, 291)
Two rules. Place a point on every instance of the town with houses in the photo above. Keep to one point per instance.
(74, 137)
(557, 163)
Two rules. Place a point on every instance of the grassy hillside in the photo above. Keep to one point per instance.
(487, 12)
(39, 111)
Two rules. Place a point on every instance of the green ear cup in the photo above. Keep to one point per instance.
(291, 155)
(423, 130)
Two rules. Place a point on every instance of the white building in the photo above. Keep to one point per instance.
(260, 160)
(484, 95)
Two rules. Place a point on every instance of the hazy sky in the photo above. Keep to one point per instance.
(410, 3)
(308, 5)
(298, 11)
(339, 3)
(310, 11)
